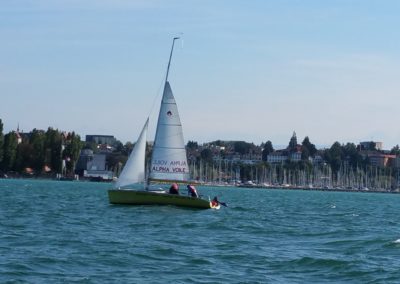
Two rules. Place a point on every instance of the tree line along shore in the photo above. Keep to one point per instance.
(53, 153)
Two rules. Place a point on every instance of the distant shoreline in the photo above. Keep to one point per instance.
(288, 188)
(331, 189)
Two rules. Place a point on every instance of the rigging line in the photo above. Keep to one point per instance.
(156, 98)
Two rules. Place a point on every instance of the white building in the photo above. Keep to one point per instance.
(277, 157)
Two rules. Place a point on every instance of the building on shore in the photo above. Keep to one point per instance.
(101, 139)
(91, 165)
(370, 146)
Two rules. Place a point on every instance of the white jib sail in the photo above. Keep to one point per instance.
(168, 161)
(134, 169)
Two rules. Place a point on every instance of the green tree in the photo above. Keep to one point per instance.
(242, 147)
(24, 156)
(192, 145)
(91, 145)
(115, 161)
(206, 155)
(246, 172)
(10, 151)
(53, 144)
(308, 149)
(118, 146)
(293, 142)
(268, 148)
(37, 140)
(72, 150)
(352, 155)
(395, 150)
(334, 156)
(128, 147)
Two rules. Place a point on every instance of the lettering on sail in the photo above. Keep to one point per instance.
(178, 166)
(160, 169)
(160, 162)
(160, 166)
(174, 166)
(178, 163)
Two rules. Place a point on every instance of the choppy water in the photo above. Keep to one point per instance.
(66, 232)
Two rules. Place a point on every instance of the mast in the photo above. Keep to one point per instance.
(169, 160)
(170, 56)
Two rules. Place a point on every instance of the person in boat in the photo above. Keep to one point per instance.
(192, 191)
(174, 189)
(215, 202)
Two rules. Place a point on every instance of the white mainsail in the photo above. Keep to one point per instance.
(134, 169)
(168, 161)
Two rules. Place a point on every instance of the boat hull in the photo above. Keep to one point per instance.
(135, 197)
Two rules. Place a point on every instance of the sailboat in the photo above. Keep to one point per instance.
(168, 162)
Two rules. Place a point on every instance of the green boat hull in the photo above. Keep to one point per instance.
(135, 197)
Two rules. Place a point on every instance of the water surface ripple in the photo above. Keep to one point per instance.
(66, 232)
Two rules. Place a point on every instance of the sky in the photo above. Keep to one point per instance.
(243, 70)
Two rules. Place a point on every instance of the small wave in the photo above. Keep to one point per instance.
(189, 225)
(240, 208)
(320, 262)
(200, 261)
(392, 244)
(352, 215)
(332, 206)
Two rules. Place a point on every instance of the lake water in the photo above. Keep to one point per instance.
(67, 232)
